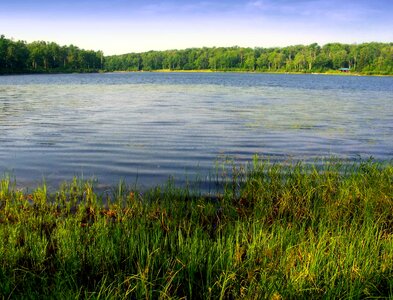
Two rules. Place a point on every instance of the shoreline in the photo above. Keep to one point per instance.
(247, 72)
(281, 222)
(251, 72)
(205, 71)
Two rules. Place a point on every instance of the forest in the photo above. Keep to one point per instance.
(49, 57)
(367, 58)
(46, 57)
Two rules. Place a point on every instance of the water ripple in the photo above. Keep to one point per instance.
(148, 126)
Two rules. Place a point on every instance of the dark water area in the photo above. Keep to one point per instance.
(145, 127)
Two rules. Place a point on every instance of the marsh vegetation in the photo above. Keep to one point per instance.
(273, 231)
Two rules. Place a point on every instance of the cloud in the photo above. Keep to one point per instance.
(180, 8)
(319, 11)
(258, 5)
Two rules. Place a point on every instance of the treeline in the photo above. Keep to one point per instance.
(49, 57)
(46, 57)
(368, 58)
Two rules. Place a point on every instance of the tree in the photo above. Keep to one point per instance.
(202, 59)
(263, 61)
(3, 52)
(300, 61)
(310, 54)
(250, 62)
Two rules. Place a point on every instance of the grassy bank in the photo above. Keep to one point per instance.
(327, 73)
(276, 231)
(330, 72)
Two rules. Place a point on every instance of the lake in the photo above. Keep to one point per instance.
(145, 127)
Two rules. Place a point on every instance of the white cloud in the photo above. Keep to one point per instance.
(257, 4)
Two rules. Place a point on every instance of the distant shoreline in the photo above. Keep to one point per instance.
(39, 57)
(204, 71)
(251, 72)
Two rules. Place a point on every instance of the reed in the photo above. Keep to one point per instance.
(275, 231)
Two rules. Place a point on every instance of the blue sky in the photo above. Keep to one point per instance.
(121, 26)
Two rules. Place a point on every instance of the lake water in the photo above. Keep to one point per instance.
(145, 127)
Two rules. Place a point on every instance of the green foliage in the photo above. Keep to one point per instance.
(275, 231)
(43, 57)
(370, 58)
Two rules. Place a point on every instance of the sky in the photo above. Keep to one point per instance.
(124, 26)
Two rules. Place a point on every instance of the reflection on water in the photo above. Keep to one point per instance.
(147, 126)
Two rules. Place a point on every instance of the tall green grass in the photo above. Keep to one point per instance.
(275, 231)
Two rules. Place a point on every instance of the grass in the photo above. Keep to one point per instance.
(276, 231)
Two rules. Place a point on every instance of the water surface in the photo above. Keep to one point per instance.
(144, 127)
